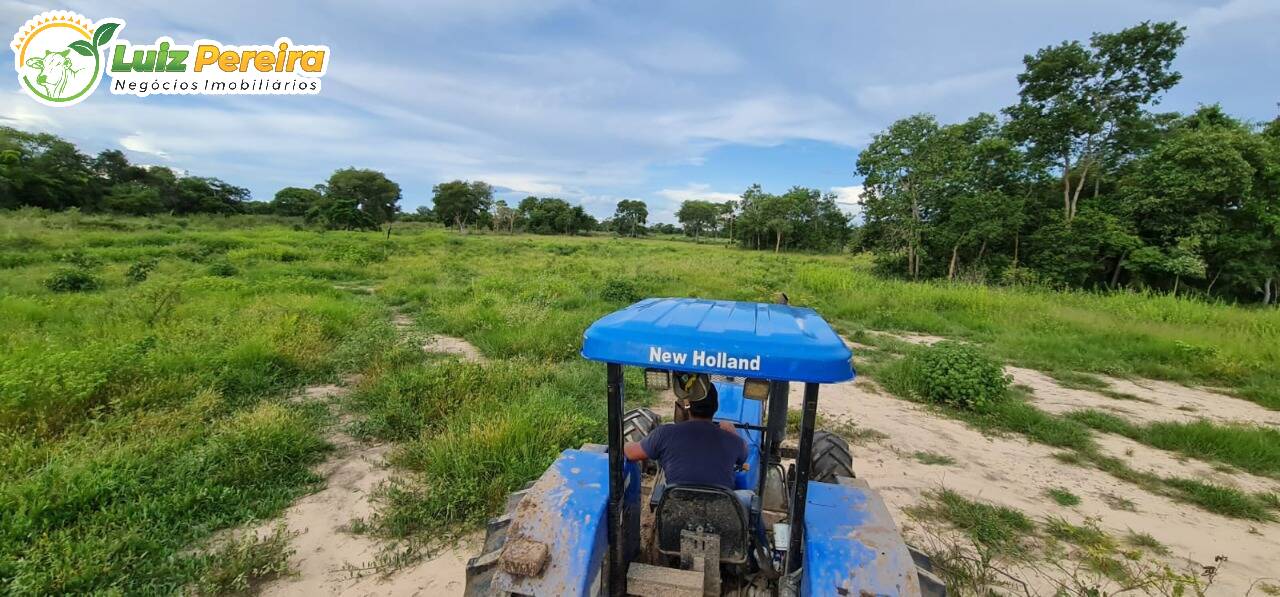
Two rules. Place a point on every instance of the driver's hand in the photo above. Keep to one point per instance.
(727, 426)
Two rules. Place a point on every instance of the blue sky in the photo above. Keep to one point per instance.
(600, 101)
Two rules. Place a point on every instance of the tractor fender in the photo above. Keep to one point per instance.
(851, 544)
(566, 510)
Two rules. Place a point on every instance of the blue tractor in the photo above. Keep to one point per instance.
(596, 524)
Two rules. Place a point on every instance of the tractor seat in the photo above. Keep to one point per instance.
(703, 509)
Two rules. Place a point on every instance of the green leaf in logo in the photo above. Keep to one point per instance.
(103, 34)
(82, 47)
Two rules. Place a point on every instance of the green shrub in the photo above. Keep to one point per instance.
(73, 279)
(957, 375)
(78, 258)
(139, 271)
(222, 269)
(620, 290)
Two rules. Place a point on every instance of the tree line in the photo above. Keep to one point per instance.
(1081, 184)
(800, 219)
(45, 171)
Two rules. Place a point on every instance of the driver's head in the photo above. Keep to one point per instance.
(707, 407)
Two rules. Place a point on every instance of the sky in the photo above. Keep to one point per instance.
(595, 102)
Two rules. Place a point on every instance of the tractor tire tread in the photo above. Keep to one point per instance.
(638, 423)
(831, 457)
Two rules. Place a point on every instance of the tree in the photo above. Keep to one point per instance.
(193, 194)
(905, 176)
(42, 170)
(460, 203)
(344, 213)
(696, 215)
(1074, 99)
(375, 195)
(630, 216)
(295, 201)
(1206, 197)
(504, 218)
(133, 198)
(550, 215)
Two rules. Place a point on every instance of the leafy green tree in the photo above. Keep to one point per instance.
(504, 218)
(696, 216)
(42, 170)
(377, 196)
(344, 213)
(295, 201)
(550, 215)
(630, 216)
(194, 194)
(907, 172)
(1207, 197)
(1073, 99)
(459, 203)
(134, 198)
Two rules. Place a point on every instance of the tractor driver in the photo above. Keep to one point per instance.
(696, 451)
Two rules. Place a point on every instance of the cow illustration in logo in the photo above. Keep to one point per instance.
(55, 72)
(58, 56)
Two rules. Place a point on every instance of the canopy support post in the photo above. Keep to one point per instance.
(808, 420)
(617, 555)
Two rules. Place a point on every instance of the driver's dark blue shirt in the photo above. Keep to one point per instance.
(696, 452)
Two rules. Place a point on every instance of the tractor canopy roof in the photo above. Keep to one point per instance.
(775, 342)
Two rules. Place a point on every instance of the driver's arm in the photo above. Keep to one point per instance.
(634, 452)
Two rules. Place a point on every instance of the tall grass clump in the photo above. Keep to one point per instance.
(475, 432)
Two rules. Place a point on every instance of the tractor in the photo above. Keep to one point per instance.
(800, 522)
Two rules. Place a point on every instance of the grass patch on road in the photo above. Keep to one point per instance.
(933, 458)
(1250, 448)
(1013, 413)
(1003, 530)
(1063, 497)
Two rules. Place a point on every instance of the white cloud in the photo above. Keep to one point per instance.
(697, 191)
(851, 195)
(849, 199)
(137, 143)
(520, 183)
(1208, 17)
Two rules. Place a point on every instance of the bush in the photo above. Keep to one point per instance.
(619, 290)
(139, 271)
(957, 375)
(223, 269)
(73, 280)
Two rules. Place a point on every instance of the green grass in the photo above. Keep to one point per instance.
(1063, 497)
(1077, 380)
(933, 458)
(1146, 541)
(139, 416)
(1014, 414)
(1223, 500)
(1247, 447)
(1087, 536)
(998, 528)
(242, 564)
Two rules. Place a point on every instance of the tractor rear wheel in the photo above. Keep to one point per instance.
(831, 458)
(638, 423)
(480, 568)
